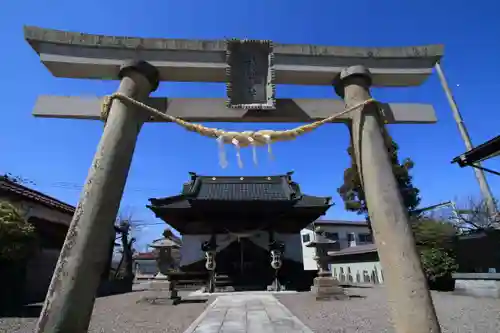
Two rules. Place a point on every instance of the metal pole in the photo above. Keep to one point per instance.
(481, 178)
(455, 213)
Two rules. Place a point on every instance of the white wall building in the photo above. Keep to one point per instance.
(356, 260)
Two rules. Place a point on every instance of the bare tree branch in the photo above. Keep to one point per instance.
(127, 226)
(473, 214)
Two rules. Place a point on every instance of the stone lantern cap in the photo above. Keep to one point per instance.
(164, 243)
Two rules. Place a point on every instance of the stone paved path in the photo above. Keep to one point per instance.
(247, 314)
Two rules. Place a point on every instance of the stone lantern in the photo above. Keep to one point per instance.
(325, 286)
(166, 263)
(165, 259)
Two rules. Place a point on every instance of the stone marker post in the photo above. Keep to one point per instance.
(70, 298)
(409, 297)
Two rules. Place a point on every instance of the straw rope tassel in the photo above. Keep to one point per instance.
(254, 151)
(236, 144)
(269, 148)
(222, 152)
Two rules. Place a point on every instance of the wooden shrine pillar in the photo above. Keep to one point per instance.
(409, 297)
(70, 298)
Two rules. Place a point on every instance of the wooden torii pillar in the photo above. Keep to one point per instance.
(70, 299)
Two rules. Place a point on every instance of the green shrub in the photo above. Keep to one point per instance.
(437, 263)
(17, 236)
(435, 243)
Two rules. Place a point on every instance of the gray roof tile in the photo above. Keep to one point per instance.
(242, 191)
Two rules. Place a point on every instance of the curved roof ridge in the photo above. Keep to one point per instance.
(194, 174)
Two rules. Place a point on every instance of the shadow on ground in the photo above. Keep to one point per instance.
(356, 286)
(190, 301)
(169, 301)
(25, 311)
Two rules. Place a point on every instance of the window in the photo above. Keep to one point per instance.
(306, 238)
(365, 238)
(332, 236)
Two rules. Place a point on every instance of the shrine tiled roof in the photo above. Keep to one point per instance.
(243, 189)
(239, 188)
(213, 203)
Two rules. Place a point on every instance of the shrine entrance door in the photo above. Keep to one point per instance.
(246, 264)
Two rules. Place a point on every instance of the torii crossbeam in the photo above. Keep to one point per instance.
(214, 110)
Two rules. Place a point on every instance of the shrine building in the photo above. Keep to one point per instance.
(245, 229)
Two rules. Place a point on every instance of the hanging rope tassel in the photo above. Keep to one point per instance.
(236, 144)
(222, 153)
(254, 150)
(269, 149)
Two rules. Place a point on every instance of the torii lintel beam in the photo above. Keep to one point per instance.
(215, 110)
(80, 55)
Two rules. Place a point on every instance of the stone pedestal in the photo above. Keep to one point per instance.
(327, 288)
(159, 285)
(162, 290)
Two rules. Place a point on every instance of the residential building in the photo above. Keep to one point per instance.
(355, 260)
(51, 219)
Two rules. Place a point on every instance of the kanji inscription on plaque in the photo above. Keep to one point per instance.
(250, 75)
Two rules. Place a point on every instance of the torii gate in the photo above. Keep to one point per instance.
(141, 63)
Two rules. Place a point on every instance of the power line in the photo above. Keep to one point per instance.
(70, 185)
(148, 224)
(75, 186)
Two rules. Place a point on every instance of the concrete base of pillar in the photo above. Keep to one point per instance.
(327, 288)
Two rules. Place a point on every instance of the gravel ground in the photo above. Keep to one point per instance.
(127, 313)
(457, 314)
(124, 313)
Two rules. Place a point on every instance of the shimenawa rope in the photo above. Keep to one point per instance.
(238, 139)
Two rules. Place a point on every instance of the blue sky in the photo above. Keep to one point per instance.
(56, 154)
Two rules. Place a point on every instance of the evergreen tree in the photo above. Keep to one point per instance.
(352, 192)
